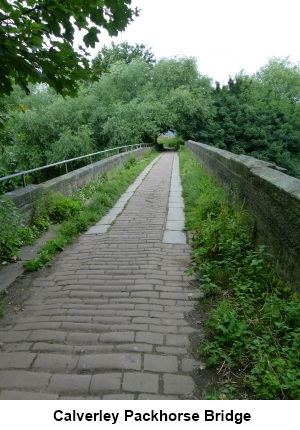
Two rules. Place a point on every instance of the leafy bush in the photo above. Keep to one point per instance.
(13, 234)
(54, 208)
(62, 208)
(7, 169)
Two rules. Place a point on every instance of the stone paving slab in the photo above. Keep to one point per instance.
(107, 321)
(175, 217)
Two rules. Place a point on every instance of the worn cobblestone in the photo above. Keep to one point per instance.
(106, 382)
(23, 379)
(178, 384)
(75, 384)
(141, 382)
(150, 337)
(160, 363)
(16, 360)
(110, 361)
(55, 362)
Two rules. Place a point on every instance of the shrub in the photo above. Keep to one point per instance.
(62, 208)
(13, 234)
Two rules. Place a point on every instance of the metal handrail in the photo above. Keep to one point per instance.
(65, 162)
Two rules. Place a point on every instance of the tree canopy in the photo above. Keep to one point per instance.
(140, 98)
(259, 115)
(136, 101)
(36, 40)
(109, 55)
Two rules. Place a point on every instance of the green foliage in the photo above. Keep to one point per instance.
(257, 334)
(11, 184)
(6, 135)
(125, 106)
(130, 162)
(37, 39)
(2, 310)
(122, 52)
(254, 326)
(53, 129)
(138, 100)
(173, 73)
(258, 115)
(9, 230)
(170, 142)
(61, 208)
(185, 93)
(13, 234)
(228, 392)
(54, 208)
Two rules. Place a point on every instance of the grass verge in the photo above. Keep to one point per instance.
(253, 330)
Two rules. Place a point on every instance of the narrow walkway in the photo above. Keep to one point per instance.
(108, 320)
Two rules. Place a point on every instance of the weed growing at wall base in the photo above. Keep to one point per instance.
(253, 323)
(13, 233)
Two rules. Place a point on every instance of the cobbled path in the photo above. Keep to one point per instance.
(108, 319)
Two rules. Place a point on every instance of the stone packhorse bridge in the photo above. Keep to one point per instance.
(108, 319)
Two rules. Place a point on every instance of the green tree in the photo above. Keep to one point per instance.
(282, 76)
(169, 74)
(185, 93)
(259, 115)
(124, 82)
(36, 40)
(134, 102)
(280, 80)
(54, 128)
(123, 52)
(124, 115)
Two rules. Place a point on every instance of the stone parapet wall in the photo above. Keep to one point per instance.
(272, 198)
(68, 184)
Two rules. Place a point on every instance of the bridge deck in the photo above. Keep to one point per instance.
(107, 321)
